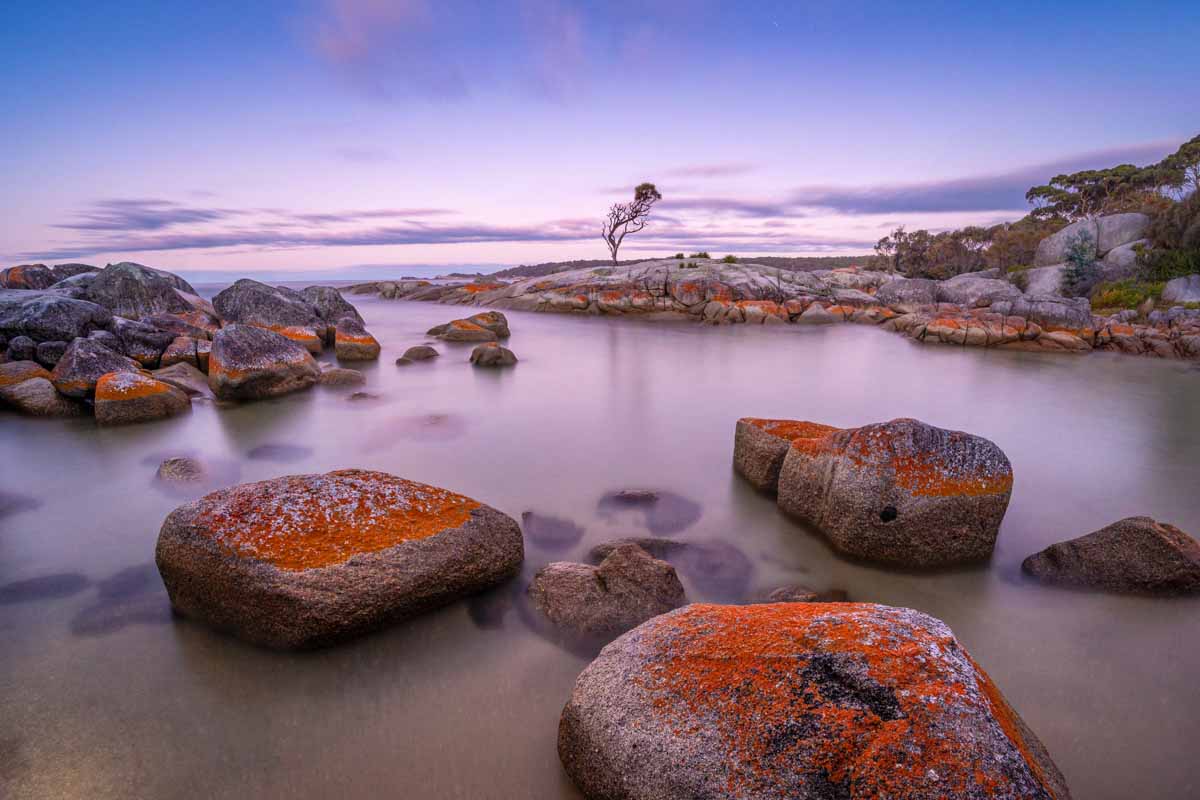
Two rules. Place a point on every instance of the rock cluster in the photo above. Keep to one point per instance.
(308, 560)
(796, 700)
(84, 323)
(901, 492)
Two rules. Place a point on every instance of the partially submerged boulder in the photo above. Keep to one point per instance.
(37, 397)
(460, 330)
(1134, 555)
(352, 342)
(341, 376)
(759, 446)
(252, 363)
(797, 700)
(134, 291)
(492, 354)
(186, 377)
(274, 308)
(628, 587)
(421, 352)
(128, 397)
(330, 304)
(901, 492)
(308, 560)
(82, 365)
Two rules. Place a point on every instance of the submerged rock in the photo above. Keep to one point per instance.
(797, 700)
(719, 570)
(1135, 555)
(252, 363)
(803, 594)
(341, 376)
(492, 355)
(127, 397)
(900, 492)
(550, 533)
(308, 560)
(83, 363)
(421, 352)
(759, 446)
(37, 397)
(628, 587)
(181, 469)
(662, 513)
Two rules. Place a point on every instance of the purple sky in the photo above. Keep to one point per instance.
(350, 132)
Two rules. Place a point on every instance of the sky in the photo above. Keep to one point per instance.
(325, 134)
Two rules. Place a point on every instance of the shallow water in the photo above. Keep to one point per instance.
(104, 695)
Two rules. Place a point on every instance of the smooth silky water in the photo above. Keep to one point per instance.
(104, 695)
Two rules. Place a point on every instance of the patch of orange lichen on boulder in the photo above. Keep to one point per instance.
(350, 512)
(476, 288)
(14, 372)
(463, 325)
(128, 386)
(791, 428)
(868, 711)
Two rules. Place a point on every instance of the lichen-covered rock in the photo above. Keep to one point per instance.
(816, 314)
(1048, 311)
(971, 290)
(22, 348)
(901, 492)
(13, 372)
(1135, 555)
(181, 350)
(308, 560)
(341, 376)
(27, 276)
(907, 294)
(37, 397)
(134, 291)
(627, 588)
(421, 352)
(83, 363)
(141, 341)
(123, 398)
(274, 308)
(49, 317)
(252, 363)
(759, 446)
(48, 353)
(185, 376)
(494, 321)
(330, 304)
(797, 700)
(461, 330)
(492, 354)
(192, 324)
(352, 342)
(63, 272)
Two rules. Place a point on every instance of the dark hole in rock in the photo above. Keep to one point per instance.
(662, 513)
(550, 533)
(46, 587)
(888, 514)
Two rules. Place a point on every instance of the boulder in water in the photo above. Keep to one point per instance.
(308, 560)
(341, 376)
(798, 700)
(492, 354)
(1134, 555)
(352, 342)
(900, 492)
(274, 308)
(252, 363)
(83, 363)
(460, 330)
(37, 397)
(421, 352)
(759, 446)
(128, 397)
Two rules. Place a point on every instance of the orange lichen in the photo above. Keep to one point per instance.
(791, 429)
(464, 325)
(853, 694)
(352, 338)
(304, 522)
(476, 288)
(127, 386)
(20, 371)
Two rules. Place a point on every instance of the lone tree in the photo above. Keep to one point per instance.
(626, 218)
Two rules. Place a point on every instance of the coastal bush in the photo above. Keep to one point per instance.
(1128, 293)
(678, 256)
(701, 254)
(1081, 273)
(729, 260)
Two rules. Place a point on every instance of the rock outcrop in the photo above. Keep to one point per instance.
(309, 560)
(134, 291)
(273, 308)
(27, 276)
(807, 700)
(49, 317)
(759, 446)
(900, 492)
(127, 397)
(1134, 555)
(252, 363)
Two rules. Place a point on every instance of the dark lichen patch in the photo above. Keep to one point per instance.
(46, 587)
(662, 513)
(846, 684)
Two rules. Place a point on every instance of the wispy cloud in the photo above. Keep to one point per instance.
(722, 170)
(141, 214)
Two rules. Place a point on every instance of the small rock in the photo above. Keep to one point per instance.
(1135, 555)
(181, 469)
(353, 342)
(662, 513)
(341, 376)
(419, 353)
(492, 355)
(48, 353)
(803, 594)
(22, 348)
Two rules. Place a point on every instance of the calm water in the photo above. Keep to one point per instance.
(104, 696)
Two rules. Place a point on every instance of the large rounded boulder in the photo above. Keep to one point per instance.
(27, 276)
(900, 492)
(134, 291)
(308, 560)
(1135, 555)
(330, 305)
(759, 446)
(128, 397)
(83, 364)
(352, 341)
(49, 317)
(797, 700)
(275, 308)
(251, 363)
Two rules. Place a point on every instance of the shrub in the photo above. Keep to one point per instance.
(701, 254)
(1163, 265)
(1125, 294)
(1020, 279)
(729, 260)
(1081, 273)
(678, 256)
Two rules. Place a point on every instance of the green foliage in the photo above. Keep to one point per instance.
(1163, 265)
(678, 256)
(690, 265)
(1020, 279)
(729, 260)
(1081, 272)
(1125, 294)
(701, 254)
